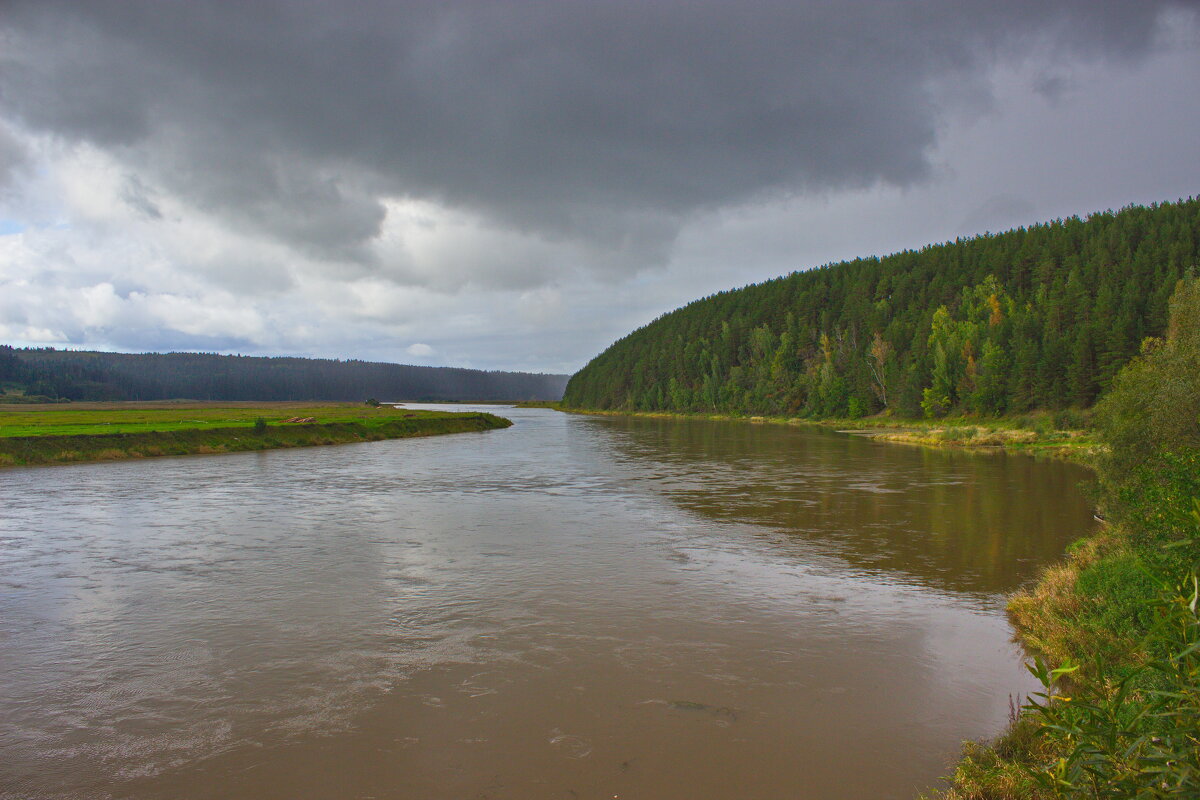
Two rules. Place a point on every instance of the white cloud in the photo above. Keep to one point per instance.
(420, 350)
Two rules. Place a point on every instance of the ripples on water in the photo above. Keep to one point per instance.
(571, 607)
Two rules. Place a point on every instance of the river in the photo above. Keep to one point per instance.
(573, 607)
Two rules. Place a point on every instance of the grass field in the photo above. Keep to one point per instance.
(32, 434)
(100, 418)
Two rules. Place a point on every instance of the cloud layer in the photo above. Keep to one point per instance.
(378, 160)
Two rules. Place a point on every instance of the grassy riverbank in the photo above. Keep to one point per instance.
(1058, 434)
(1062, 435)
(1114, 633)
(56, 434)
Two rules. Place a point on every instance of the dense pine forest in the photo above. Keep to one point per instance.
(79, 375)
(1038, 317)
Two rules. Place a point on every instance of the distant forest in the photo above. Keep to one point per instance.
(1034, 318)
(81, 375)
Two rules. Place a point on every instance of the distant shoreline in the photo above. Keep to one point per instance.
(240, 429)
(1006, 433)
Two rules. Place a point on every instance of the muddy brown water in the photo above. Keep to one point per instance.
(574, 607)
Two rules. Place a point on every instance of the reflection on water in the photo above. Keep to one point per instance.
(572, 607)
(958, 520)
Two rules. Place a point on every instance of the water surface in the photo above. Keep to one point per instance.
(572, 607)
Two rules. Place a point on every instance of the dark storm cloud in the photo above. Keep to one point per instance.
(12, 155)
(604, 121)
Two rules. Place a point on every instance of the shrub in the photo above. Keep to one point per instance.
(1121, 595)
(1153, 503)
(1069, 419)
(1133, 737)
(1154, 403)
(958, 433)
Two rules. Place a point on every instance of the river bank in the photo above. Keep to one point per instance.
(1113, 634)
(1057, 435)
(113, 431)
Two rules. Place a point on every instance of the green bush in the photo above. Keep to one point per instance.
(1154, 403)
(1122, 593)
(958, 433)
(1137, 737)
(1153, 505)
(1069, 419)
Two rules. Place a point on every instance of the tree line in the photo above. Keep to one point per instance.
(1037, 317)
(84, 375)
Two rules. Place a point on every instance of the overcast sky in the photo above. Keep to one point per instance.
(514, 185)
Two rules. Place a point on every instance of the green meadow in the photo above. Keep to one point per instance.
(107, 431)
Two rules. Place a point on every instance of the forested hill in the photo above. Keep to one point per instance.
(1038, 317)
(79, 375)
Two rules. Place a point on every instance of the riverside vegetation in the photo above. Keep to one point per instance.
(1084, 331)
(1063, 434)
(1115, 629)
(105, 431)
